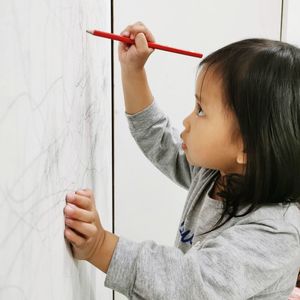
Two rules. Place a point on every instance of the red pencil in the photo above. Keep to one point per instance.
(152, 45)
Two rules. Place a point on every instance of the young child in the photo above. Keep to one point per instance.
(238, 237)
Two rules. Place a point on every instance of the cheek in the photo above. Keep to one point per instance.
(212, 141)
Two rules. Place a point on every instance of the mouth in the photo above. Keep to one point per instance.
(183, 145)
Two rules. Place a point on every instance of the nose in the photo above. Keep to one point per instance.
(186, 122)
(186, 126)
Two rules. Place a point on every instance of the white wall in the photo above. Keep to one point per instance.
(55, 117)
(148, 205)
(291, 22)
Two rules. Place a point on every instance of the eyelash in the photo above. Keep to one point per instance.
(198, 106)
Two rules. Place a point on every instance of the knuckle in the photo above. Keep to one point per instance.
(93, 230)
(88, 192)
(90, 204)
(93, 216)
(136, 27)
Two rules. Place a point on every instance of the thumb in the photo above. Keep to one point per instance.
(141, 42)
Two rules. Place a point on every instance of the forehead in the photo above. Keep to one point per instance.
(210, 91)
(209, 84)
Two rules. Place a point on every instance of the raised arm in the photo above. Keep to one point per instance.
(150, 127)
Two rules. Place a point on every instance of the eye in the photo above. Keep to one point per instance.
(199, 110)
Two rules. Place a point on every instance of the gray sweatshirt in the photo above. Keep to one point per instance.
(256, 256)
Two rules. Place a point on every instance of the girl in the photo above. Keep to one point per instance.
(238, 237)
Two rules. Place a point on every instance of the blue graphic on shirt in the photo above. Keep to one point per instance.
(185, 238)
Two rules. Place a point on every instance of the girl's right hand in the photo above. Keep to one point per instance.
(134, 56)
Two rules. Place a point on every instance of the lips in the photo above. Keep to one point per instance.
(183, 144)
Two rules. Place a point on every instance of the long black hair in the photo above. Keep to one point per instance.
(261, 82)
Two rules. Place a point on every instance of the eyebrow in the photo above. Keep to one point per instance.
(199, 99)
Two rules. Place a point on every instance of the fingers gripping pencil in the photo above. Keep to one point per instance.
(152, 45)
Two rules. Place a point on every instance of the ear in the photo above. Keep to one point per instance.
(241, 158)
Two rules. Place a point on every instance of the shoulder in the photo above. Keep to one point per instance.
(279, 213)
(278, 222)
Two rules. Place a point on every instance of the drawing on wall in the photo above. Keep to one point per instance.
(54, 116)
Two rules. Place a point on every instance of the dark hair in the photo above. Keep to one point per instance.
(261, 82)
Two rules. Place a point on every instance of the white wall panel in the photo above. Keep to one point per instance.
(291, 22)
(148, 205)
(55, 117)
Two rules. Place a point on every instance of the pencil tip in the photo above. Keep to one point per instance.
(89, 31)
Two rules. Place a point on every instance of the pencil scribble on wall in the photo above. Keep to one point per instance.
(53, 115)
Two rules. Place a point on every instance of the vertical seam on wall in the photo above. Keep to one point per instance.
(112, 115)
(112, 120)
(281, 19)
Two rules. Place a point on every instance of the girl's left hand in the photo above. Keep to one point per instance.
(83, 227)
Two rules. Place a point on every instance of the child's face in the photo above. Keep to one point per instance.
(208, 129)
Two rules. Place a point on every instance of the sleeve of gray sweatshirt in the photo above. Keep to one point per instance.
(237, 264)
(161, 143)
